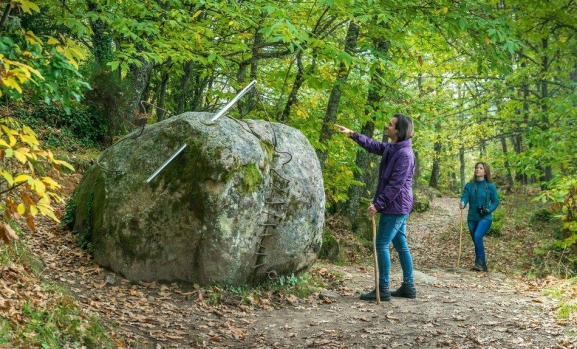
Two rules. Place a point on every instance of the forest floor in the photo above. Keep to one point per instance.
(455, 307)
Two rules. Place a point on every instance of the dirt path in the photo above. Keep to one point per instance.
(455, 307)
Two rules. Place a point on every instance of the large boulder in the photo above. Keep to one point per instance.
(242, 202)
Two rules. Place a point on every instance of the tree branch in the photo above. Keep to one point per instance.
(5, 15)
(11, 188)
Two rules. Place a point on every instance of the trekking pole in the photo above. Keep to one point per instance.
(377, 291)
(460, 239)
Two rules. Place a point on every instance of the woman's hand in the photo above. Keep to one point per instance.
(372, 209)
(344, 130)
(461, 205)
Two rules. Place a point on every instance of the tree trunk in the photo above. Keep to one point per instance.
(366, 174)
(507, 164)
(547, 173)
(250, 100)
(115, 99)
(160, 113)
(335, 97)
(436, 170)
(5, 15)
(135, 83)
(183, 88)
(518, 146)
(518, 139)
(297, 84)
(462, 165)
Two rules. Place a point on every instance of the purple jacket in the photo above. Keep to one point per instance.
(394, 193)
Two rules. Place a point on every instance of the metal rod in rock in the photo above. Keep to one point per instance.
(219, 114)
(233, 101)
(165, 164)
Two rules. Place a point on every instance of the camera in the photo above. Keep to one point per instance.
(483, 210)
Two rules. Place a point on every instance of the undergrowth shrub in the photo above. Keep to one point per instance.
(563, 212)
(542, 216)
(57, 129)
(330, 249)
(497, 225)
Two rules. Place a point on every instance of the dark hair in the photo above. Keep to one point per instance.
(487, 172)
(404, 126)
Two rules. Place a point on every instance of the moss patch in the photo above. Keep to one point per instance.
(251, 178)
(88, 203)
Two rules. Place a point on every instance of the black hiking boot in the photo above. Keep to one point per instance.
(479, 266)
(407, 290)
(384, 293)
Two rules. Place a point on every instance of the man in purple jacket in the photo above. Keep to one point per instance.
(393, 200)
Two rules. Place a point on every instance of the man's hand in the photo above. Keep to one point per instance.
(344, 130)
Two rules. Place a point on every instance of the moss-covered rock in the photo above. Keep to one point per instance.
(229, 208)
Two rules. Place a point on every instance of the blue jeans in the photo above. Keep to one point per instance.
(478, 230)
(393, 228)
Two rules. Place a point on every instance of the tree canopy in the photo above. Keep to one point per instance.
(484, 80)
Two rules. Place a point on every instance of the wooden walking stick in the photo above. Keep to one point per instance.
(377, 291)
(460, 239)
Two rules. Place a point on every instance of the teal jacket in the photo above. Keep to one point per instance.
(480, 193)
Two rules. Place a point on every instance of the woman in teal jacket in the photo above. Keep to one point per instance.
(481, 196)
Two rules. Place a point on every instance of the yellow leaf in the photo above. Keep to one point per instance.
(12, 140)
(196, 14)
(27, 130)
(4, 144)
(21, 208)
(22, 73)
(20, 156)
(6, 129)
(45, 201)
(40, 188)
(488, 41)
(52, 184)
(65, 164)
(69, 55)
(33, 210)
(36, 72)
(27, 6)
(30, 139)
(8, 177)
(48, 212)
(11, 83)
(53, 41)
(32, 38)
(21, 178)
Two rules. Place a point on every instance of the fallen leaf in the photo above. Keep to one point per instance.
(7, 233)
